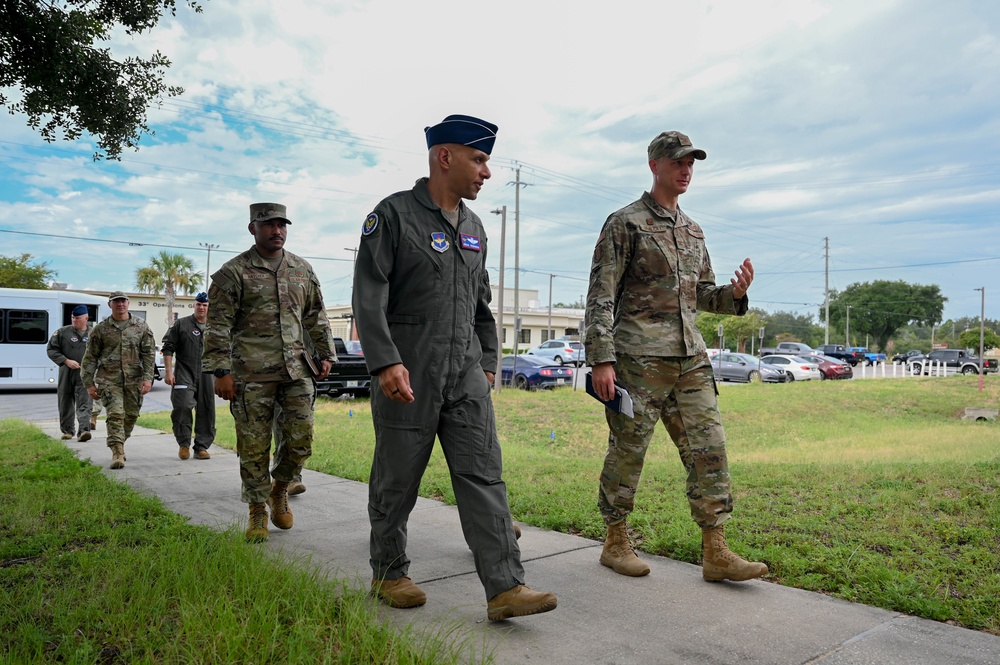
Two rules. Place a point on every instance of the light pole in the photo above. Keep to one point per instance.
(498, 379)
(548, 331)
(208, 264)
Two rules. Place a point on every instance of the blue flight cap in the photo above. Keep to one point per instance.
(79, 310)
(464, 130)
(201, 297)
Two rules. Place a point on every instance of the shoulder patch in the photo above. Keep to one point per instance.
(371, 223)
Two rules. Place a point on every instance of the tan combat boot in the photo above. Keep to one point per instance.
(118, 456)
(519, 601)
(401, 592)
(296, 487)
(257, 526)
(281, 516)
(718, 563)
(618, 554)
(93, 422)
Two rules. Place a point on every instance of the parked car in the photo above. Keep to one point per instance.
(956, 360)
(353, 346)
(903, 358)
(348, 376)
(834, 368)
(744, 367)
(533, 372)
(562, 351)
(789, 348)
(840, 351)
(798, 369)
(870, 357)
(159, 369)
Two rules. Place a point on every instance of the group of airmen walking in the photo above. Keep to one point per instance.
(421, 300)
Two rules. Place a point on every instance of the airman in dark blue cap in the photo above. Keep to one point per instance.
(66, 348)
(421, 302)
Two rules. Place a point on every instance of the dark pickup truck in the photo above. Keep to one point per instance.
(841, 352)
(952, 359)
(349, 375)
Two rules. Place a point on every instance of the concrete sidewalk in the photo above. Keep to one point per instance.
(670, 616)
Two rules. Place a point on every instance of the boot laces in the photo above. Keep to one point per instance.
(258, 516)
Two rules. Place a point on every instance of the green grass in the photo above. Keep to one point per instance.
(91, 572)
(873, 491)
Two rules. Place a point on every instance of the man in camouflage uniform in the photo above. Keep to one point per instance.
(118, 370)
(262, 301)
(651, 273)
(191, 389)
(421, 301)
(66, 348)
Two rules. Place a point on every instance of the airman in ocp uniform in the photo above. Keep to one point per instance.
(262, 301)
(118, 369)
(650, 275)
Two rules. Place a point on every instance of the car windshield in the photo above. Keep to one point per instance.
(575, 345)
(808, 361)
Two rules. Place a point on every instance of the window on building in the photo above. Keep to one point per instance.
(525, 336)
(548, 334)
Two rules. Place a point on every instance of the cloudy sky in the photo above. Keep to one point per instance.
(873, 124)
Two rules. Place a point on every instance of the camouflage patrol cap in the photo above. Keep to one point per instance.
(261, 212)
(673, 145)
(117, 295)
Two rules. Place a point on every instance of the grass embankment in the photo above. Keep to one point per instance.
(92, 572)
(873, 491)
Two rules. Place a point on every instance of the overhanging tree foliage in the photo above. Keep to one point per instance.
(68, 84)
(882, 307)
(18, 272)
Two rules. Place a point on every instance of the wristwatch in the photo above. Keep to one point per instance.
(219, 373)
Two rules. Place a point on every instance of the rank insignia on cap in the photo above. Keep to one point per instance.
(371, 223)
(470, 242)
(439, 243)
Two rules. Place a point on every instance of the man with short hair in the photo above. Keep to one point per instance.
(66, 348)
(118, 370)
(262, 302)
(650, 274)
(421, 302)
(191, 389)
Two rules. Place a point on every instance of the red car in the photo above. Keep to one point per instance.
(833, 368)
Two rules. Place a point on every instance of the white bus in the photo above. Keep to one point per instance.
(28, 317)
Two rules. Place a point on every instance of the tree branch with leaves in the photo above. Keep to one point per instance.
(67, 84)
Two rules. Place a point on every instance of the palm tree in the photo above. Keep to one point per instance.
(168, 273)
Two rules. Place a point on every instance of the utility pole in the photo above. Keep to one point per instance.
(503, 252)
(208, 264)
(517, 265)
(982, 334)
(354, 266)
(826, 292)
(548, 331)
(848, 326)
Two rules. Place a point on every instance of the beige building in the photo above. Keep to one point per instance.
(533, 313)
(153, 308)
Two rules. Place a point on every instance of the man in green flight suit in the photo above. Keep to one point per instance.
(421, 302)
(66, 348)
(262, 302)
(191, 390)
(118, 369)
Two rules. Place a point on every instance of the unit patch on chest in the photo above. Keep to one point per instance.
(470, 242)
(439, 242)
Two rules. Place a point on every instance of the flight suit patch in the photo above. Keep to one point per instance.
(371, 223)
(470, 242)
(439, 242)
